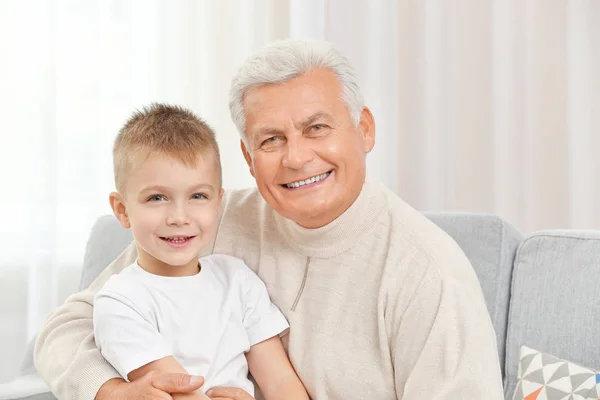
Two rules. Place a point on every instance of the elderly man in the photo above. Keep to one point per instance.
(381, 303)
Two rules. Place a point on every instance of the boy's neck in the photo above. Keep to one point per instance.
(157, 267)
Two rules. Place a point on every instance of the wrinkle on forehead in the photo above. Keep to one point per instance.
(277, 107)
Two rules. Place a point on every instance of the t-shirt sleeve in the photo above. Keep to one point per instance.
(262, 319)
(125, 337)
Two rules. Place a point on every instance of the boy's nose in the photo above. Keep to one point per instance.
(177, 216)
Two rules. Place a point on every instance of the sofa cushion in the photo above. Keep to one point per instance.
(106, 241)
(555, 301)
(490, 243)
(542, 376)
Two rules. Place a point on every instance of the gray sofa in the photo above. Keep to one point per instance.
(541, 291)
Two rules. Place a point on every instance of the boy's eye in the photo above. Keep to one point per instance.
(156, 197)
(199, 196)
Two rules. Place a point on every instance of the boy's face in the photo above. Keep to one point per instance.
(172, 210)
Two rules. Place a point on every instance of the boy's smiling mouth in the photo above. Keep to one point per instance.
(177, 241)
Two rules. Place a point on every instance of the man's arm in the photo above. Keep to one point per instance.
(65, 353)
(443, 344)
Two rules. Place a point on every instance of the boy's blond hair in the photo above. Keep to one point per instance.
(162, 129)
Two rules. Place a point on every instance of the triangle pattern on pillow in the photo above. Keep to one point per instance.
(545, 377)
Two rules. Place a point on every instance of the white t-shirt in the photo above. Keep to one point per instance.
(206, 321)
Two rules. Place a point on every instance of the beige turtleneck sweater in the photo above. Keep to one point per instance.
(382, 304)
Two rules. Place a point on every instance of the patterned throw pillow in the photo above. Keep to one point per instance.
(545, 377)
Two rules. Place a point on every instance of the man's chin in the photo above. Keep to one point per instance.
(313, 217)
(303, 209)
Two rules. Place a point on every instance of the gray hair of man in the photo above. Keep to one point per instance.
(284, 60)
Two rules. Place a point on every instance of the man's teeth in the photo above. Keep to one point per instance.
(307, 181)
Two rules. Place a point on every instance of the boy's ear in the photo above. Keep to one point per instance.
(221, 199)
(118, 206)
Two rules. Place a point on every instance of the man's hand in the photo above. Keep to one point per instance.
(154, 385)
(228, 393)
(190, 396)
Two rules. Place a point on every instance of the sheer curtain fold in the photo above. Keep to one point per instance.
(480, 105)
(498, 106)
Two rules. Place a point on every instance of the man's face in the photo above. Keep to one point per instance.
(303, 149)
(172, 210)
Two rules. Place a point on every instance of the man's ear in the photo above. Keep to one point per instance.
(247, 157)
(367, 129)
(118, 206)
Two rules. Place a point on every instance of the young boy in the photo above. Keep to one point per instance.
(171, 310)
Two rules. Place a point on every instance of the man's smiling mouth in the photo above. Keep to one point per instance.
(307, 181)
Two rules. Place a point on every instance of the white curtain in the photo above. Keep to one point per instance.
(499, 109)
(481, 105)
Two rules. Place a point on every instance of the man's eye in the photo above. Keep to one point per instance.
(199, 196)
(269, 140)
(318, 127)
(156, 197)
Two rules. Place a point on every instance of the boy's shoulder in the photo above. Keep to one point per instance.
(125, 284)
(234, 277)
(227, 264)
(232, 270)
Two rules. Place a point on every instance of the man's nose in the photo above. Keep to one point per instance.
(298, 153)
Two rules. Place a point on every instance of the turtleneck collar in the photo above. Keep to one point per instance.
(342, 233)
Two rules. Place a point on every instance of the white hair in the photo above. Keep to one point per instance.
(283, 60)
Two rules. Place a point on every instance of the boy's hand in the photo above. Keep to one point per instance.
(228, 393)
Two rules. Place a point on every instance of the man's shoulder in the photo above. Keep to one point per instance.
(408, 224)
(241, 198)
(426, 257)
(410, 228)
(244, 212)
(244, 208)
